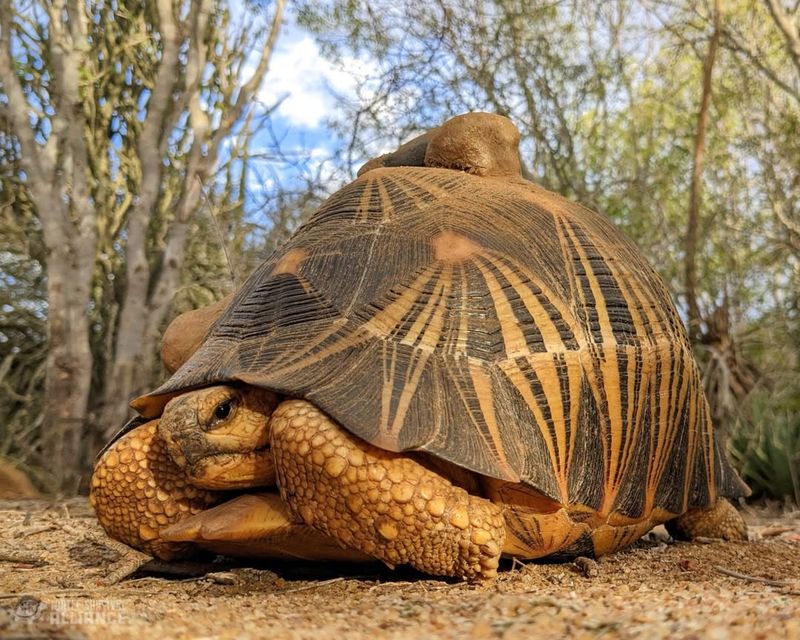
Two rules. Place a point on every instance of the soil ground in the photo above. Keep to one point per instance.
(60, 577)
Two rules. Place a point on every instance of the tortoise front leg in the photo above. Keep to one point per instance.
(720, 521)
(137, 490)
(384, 504)
(259, 525)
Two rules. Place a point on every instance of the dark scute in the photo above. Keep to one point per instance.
(586, 475)
(582, 547)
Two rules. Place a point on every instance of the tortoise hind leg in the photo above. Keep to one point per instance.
(720, 521)
(381, 503)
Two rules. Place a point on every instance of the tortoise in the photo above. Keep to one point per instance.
(446, 364)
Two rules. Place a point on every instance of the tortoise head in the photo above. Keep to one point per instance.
(219, 436)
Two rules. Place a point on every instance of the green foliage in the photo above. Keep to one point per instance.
(766, 447)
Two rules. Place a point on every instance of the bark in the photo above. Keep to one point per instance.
(695, 196)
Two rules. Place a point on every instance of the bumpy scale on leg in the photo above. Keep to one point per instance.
(381, 503)
(720, 521)
(136, 490)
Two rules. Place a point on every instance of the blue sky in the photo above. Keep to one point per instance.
(312, 89)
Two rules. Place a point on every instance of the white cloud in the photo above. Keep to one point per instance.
(298, 70)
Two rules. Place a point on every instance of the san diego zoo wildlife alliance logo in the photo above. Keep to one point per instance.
(68, 611)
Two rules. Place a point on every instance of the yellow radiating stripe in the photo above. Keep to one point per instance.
(385, 322)
(388, 382)
(387, 205)
(483, 392)
(431, 307)
(663, 398)
(433, 333)
(632, 432)
(513, 338)
(691, 444)
(366, 196)
(588, 365)
(413, 375)
(544, 323)
(610, 371)
(706, 428)
(645, 390)
(631, 292)
(574, 378)
(606, 329)
(674, 421)
(381, 325)
(463, 317)
(551, 387)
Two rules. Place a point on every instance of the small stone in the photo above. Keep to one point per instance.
(222, 577)
(587, 567)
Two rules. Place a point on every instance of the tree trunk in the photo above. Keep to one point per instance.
(69, 367)
(693, 222)
(139, 333)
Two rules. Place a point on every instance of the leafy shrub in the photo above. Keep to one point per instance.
(765, 446)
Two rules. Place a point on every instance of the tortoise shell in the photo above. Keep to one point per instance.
(486, 321)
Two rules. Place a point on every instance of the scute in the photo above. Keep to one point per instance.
(488, 322)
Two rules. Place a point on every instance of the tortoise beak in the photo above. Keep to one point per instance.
(233, 454)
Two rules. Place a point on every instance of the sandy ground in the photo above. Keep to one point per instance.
(61, 578)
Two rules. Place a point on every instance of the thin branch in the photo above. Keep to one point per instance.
(249, 89)
(788, 30)
(730, 43)
(693, 222)
(36, 165)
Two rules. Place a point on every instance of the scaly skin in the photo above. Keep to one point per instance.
(384, 504)
(221, 449)
(137, 490)
(720, 521)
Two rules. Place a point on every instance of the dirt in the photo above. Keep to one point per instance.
(60, 577)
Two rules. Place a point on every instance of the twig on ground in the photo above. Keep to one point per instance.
(34, 530)
(46, 592)
(22, 557)
(771, 532)
(517, 564)
(744, 576)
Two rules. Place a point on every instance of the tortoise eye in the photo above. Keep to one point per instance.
(224, 409)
